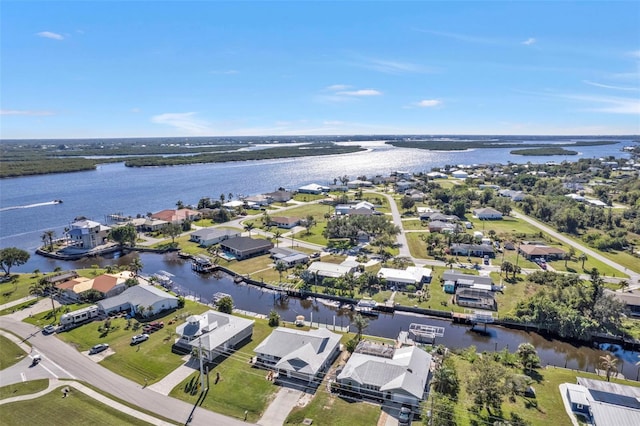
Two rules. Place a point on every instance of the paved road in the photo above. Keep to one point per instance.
(634, 276)
(397, 220)
(66, 362)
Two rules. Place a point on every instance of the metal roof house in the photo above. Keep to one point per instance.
(399, 278)
(298, 354)
(151, 298)
(245, 247)
(386, 373)
(209, 236)
(214, 333)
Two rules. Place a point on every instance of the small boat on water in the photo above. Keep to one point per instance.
(219, 296)
(330, 303)
(366, 307)
(202, 264)
(57, 201)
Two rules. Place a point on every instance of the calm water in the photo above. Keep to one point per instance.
(113, 188)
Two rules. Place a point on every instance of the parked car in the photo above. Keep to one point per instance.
(139, 338)
(404, 419)
(153, 326)
(98, 348)
(49, 329)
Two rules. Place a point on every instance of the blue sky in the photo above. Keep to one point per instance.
(207, 68)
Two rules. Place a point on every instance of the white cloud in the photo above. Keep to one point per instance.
(336, 87)
(49, 34)
(393, 67)
(609, 104)
(429, 103)
(135, 110)
(635, 54)
(24, 112)
(185, 121)
(607, 86)
(361, 92)
(529, 41)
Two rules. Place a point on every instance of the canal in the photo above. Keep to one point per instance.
(250, 298)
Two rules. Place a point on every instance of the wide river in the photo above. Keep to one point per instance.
(25, 214)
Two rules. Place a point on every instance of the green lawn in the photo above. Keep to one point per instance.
(23, 388)
(259, 268)
(332, 410)
(151, 360)
(415, 224)
(545, 409)
(10, 353)
(76, 409)
(314, 235)
(417, 247)
(16, 308)
(241, 386)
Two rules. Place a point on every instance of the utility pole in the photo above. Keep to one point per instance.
(201, 366)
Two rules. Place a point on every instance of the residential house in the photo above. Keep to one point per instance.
(288, 256)
(385, 373)
(440, 226)
(403, 186)
(87, 234)
(358, 183)
(298, 354)
(475, 298)
(478, 250)
(400, 279)
(206, 237)
(257, 201)
(233, 205)
(631, 301)
(213, 333)
(459, 174)
(152, 299)
(514, 195)
(415, 194)
(603, 403)
(284, 222)
(178, 216)
(437, 175)
(245, 247)
(330, 270)
(279, 196)
(62, 277)
(313, 188)
(487, 213)
(537, 250)
(462, 280)
(443, 217)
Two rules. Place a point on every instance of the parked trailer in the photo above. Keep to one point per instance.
(80, 316)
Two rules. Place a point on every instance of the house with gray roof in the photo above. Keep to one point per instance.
(383, 372)
(206, 237)
(214, 333)
(298, 354)
(152, 299)
(288, 256)
(245, 247)
(480, 250)
(330, 270)
(603, 403)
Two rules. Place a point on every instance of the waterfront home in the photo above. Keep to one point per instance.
(400, 279)
(313, 188)
(280, 196)
(233, 205)
(358, 183)
(475, 298)
(62, 277)
(213, 333)
(539, 250)
(257, 201)
(245, 247)
(466, 280)
(288, 256)
(87, 234)
(437, 175)
(603, 403)
(151, 299)
(107, 285)
(385, 373)
(487, 213)
(330, 270)
(284, 222)
(206, 237)
(631, 301)
(298, 354)
(177, 217)
(479, 250)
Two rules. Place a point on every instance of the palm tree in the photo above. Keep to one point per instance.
(609, 365)
(583, 257)
(248, 227)
(48, 236)
(277, 234)
(624, 284)
(360, 323)
(280, 267)
(135, 267)
(506, 267)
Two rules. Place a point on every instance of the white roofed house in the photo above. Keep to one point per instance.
(413, 275)
(152, 299)
(298, 354)
(313, 188)
(330, 270)
(87, 234)
(487, 213)
(215, 333)
(387, 374)
(209, 236)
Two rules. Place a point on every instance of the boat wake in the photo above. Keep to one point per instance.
(48, 203)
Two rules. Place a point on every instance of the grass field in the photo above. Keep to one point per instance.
(417, 247)
(10, 353)
(241, 386)
(545, 409)
(23, 388)
(151, 360)
(76, 409)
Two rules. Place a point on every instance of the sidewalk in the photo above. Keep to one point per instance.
(16, 302)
